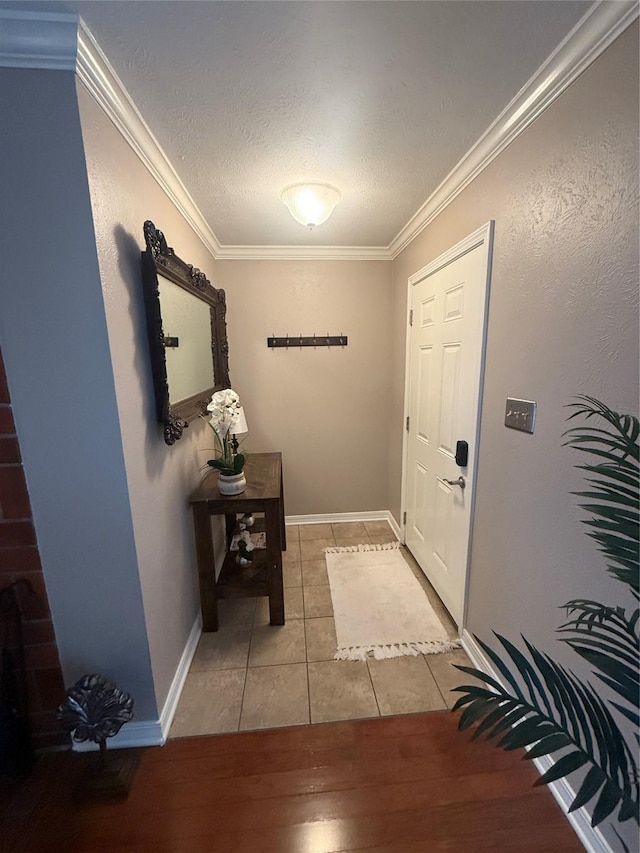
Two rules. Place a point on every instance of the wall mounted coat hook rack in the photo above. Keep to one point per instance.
(308, 341)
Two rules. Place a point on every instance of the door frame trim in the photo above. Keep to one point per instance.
(482, 236)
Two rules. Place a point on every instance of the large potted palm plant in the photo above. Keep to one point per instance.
(535, 702)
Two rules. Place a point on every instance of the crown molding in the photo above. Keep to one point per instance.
(105, 87)
(62, 42)
(590, 37)
(38, 40)
(304, 253)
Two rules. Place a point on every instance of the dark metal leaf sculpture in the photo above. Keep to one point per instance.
(95, 709)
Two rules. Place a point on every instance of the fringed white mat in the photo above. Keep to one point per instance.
(380, 609)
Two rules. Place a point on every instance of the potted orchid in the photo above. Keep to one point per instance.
(226, 416)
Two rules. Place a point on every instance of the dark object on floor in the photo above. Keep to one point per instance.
(110, 777)
(95, 709)
(16, 749)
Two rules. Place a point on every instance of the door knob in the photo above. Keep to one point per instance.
(459, 482)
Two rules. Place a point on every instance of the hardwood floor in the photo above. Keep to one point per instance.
(407, 784)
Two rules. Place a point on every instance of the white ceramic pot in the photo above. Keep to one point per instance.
(231, 484)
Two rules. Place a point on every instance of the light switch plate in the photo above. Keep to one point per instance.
(520, 414)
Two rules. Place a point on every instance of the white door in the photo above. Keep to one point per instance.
(445, 349)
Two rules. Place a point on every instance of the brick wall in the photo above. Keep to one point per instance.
(20, 559)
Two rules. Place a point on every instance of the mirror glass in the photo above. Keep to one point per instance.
(186, 323)
(187, 331)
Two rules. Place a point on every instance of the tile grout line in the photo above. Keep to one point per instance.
(306, 646)
(437, 683)
(375, 695)
(244, 689)
(246, 669)
(308, 679)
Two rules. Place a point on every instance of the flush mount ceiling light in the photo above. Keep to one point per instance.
(310, 204)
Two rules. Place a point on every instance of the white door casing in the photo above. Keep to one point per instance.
(445, 356)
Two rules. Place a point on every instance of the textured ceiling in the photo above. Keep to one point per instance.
(380, 98)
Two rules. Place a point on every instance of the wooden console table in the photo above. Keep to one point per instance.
(263, 494)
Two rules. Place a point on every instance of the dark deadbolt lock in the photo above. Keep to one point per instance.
(462, 453)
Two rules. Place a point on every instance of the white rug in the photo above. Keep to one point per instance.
(380, 609)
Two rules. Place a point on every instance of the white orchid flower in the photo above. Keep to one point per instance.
(224, 409)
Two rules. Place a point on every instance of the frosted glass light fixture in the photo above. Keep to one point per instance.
(310, 204)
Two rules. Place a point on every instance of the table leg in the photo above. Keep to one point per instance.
(283, 529)
(273, 524)
(206, 567)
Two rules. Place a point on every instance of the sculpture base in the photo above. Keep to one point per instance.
(111, 780)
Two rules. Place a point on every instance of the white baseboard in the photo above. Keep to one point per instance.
(341, 517)
(154, 732)
(175, 691)
(592, 838)
(395, 527)
(137, 733)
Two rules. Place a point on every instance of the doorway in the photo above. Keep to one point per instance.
(447, 301)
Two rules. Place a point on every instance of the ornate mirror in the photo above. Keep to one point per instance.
(187, 334)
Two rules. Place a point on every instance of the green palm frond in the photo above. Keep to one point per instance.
(548, 709)
(545, 707)
(612, 500)
(608, 639)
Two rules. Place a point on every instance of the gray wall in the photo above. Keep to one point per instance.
(61, 378)
(325, 408)
(160, 478)
(563, 320)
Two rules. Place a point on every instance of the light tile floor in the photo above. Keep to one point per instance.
(252, 675)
